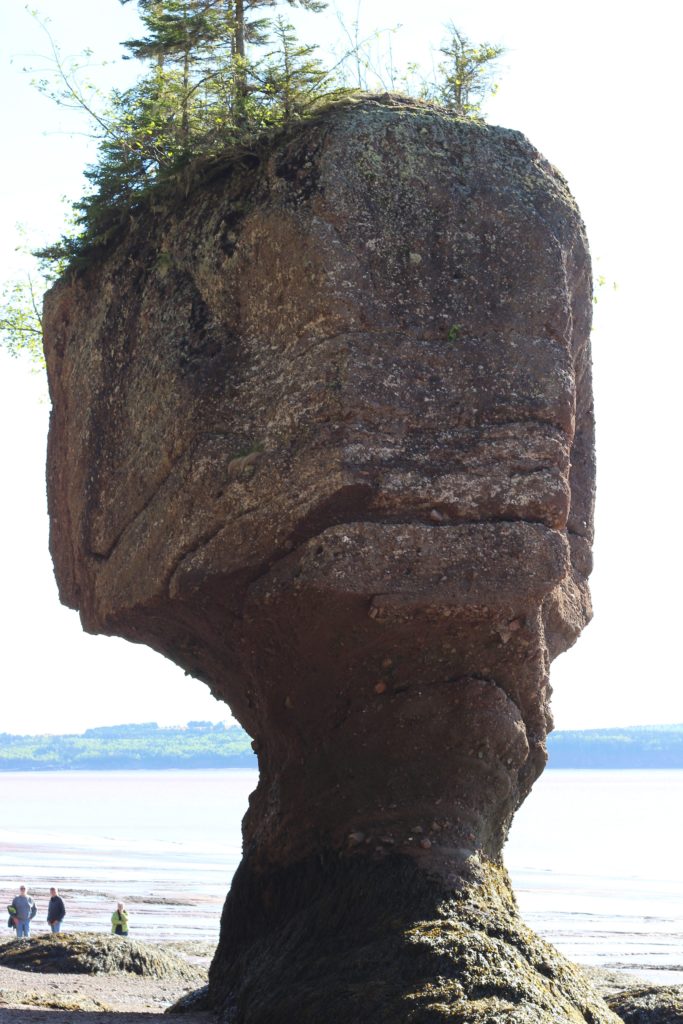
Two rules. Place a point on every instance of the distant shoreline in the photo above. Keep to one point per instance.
(635, 747)
(205, 746)
(147, 746)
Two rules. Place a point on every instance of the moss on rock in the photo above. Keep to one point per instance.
(84, 953)
(358, 941)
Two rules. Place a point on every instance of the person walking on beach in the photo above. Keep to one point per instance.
(25, 911)
(56, 911)
(119, 920)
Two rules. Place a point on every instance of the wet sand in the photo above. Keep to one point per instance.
(156, 915)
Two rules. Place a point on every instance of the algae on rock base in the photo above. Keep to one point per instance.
(379, 942)
(85, 953)
(649, 1004)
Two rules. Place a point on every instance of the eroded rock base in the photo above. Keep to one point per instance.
(355, 940)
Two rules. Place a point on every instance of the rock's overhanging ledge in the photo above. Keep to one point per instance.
(322, 434)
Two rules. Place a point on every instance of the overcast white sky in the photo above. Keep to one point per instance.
(594, 86)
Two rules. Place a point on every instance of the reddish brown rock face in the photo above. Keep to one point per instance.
(323, 436)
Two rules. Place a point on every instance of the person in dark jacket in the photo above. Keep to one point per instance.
(56, 911)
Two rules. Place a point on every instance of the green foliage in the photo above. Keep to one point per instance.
(216, 74)
(294, 81)
(465, 77)
(199, 745)
(21, 324)
(461, 83)
(600, 282)
(21, 308)
(205, 87)
(653, 746)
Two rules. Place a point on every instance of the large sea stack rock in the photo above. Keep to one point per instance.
(323, 435)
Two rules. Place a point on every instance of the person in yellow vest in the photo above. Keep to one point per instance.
(119, 920)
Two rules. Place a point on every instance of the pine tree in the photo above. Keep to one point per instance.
(466, 74)
(191, 47)
(203, 90)
(294, 80)
(252, 31)
(205, 86)
(189, 30)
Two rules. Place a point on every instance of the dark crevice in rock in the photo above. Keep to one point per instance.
(139, 512)
(202, 541)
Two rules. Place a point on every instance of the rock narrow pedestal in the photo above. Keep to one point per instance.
(322, 434)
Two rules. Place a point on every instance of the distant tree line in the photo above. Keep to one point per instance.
(645, 746)
(198, 745)
(207, 745)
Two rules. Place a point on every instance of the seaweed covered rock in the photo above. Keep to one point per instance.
(75, 1002)
(649, 1004)
(85, 953)
(381, 942)
(322, 434)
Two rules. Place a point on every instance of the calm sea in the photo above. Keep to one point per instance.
(596, 857)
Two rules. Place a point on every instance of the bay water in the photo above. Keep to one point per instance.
(596, 857)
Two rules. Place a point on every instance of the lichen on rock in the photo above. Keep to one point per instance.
(323, 435)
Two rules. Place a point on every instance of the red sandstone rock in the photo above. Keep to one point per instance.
(323, 435)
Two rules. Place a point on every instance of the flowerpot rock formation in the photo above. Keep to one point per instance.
(323, 435)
